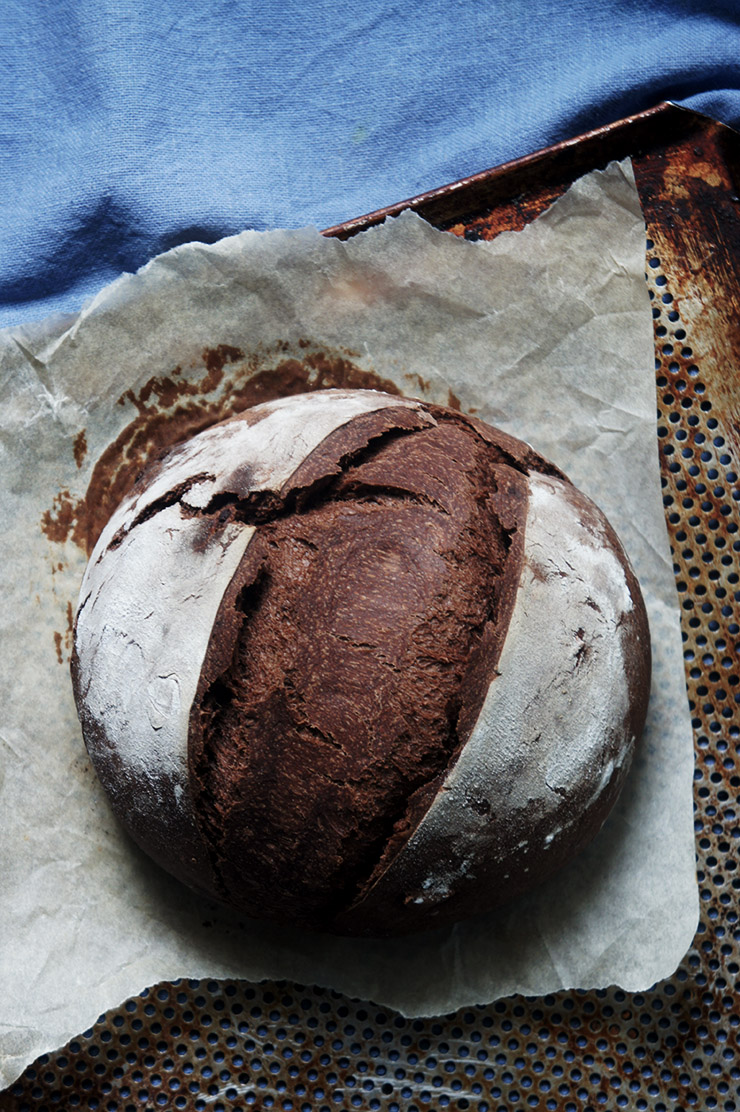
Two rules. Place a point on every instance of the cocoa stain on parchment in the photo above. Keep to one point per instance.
(422, 384)
(170, 409)
(59, 523)
(65, 639)
(80, 448)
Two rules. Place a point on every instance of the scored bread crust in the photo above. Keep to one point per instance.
(149, 598)
(158, 625)
(552, 745)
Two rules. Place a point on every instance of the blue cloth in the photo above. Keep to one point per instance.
(129, 126)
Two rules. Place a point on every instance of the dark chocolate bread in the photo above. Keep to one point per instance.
(358, 663)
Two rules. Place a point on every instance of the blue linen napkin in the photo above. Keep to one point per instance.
(128, 127)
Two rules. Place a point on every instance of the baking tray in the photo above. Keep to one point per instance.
(233, 1045)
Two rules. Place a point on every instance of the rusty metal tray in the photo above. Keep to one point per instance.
(234, 1045)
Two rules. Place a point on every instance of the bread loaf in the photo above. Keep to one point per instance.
(360, 663)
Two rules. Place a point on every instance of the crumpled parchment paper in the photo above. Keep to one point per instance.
(547, 333)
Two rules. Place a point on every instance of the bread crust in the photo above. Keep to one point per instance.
(360, 663)
(553, 743)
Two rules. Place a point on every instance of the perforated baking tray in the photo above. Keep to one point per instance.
(234, 1045)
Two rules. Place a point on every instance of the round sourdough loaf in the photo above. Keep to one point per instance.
(360, 663)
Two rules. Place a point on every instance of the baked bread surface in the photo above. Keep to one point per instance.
(360, 663)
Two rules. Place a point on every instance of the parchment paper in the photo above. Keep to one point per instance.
(547, 333)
